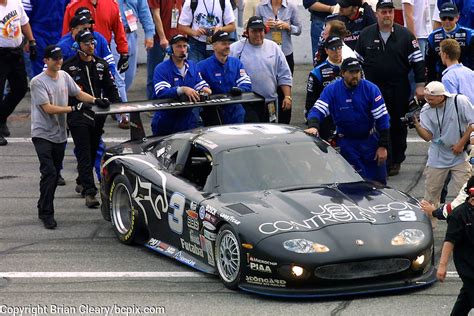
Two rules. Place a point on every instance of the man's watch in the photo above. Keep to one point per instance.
(289, 98)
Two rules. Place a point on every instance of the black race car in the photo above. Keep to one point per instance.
(269, 209)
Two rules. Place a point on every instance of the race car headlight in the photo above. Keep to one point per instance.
(408, 237)
(304, 246)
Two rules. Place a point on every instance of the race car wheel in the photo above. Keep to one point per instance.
(228, 256)
(125, 218)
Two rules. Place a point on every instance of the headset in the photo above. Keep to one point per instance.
(169, 50)
(76, 46)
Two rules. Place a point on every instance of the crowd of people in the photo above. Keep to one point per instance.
(373, 60)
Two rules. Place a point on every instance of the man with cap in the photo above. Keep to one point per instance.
(15, 25)
(320, 77)
(362, 121)
(50, 91)
(388, 53)
(465, 8)
(445, 121)
(177, 78)
(449, 16)
(224, 74)
(268, 69)
(354, 18)
(92, 74)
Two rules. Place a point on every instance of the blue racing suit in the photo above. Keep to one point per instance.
(101, 50)
(46, 20)
(362, 123)
(221, 78)
(166, 80)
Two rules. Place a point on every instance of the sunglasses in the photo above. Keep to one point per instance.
(90, 43)
(335, 48)
(449, 18)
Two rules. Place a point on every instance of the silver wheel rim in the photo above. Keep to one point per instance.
(122, 208)
(228, 257)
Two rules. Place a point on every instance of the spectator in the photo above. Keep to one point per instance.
(46, 18)
(49, 98)
(459, 241)
(133, 11)
(266, 65)
(93, 76)
(320, 77)
(451, 29)
(354, 19)
(443, 122)
(199, 20)
(319, 10)
(388, 52)
(282, 26)
(418, 20)
(173, 78)
(456, 77)
(357, 108)
(333, 28)
(224, 74)
(12, 64)
(165, 15)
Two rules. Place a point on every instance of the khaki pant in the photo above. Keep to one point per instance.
(435, 177)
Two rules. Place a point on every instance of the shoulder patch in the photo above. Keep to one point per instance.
(378, 98)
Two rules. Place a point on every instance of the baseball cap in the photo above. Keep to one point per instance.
(256, 22)
(350, 64)
(348, 3)
(436, 88)
(333, 41)
(384, 4)
(448, 9)
(221, 36)
(84, 36)
(84, 11)
(177, 38)
(53, 51)
(79, 20)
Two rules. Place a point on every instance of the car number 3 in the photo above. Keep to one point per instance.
(407, 216)
(175, 219)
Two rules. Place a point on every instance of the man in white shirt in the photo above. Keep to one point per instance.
(417, 18)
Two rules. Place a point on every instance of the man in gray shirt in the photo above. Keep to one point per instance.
(49, 104)
(445, 121)
(267, 67)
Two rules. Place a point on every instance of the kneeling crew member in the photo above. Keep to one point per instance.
(224, 74)
(175, 78)
(93, 75)
(361, 118)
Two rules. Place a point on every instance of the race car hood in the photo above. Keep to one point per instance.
(275, 212)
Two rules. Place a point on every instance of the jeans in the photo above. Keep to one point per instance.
(317, 25)
(155, 55)
(50, 156)
(197, 50)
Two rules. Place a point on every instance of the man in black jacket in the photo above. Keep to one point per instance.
(92, 74)
(388, 52)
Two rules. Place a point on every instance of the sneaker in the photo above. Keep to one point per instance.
(4, 131)
(124, 123)
(91, 201)
(61, 180)
(3, 141)
(49, 223)
(394, 169)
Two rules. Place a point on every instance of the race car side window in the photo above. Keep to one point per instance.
(198, 166)
(168, 151)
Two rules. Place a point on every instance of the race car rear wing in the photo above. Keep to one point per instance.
(135, 107)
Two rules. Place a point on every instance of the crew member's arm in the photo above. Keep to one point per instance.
(159, 27)
(448, 248)
(120, 37)
(431, 57)
(103, 51)
(163, 89)
(382, 125)
(284, 78)
(314, 88)
(202, 85)
(415, 58)
(144, 16)
(454, 234)
(408, 8)
(319, 111)
(109, 87)
(318, 6)
(243, 79)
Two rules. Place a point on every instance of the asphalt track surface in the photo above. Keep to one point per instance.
(80, 268)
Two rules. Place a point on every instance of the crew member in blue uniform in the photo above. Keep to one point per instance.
(224, 74)
(321, 76)
(449, 16)
(361, 118)
(176, 78)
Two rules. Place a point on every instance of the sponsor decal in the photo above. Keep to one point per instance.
(209, 226)
(202, 212)
(181, 257)
(211, 210)
(333, 213)
(193, 222)
(260, 267)
(265, 281)
(209, 235)
(210, 252)
(257, 260)
(211, 219)
(161, 246)
(194, 237)
(229, 218)
(193, 206)
(191, 248)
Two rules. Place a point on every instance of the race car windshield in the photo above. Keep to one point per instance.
(282, 166)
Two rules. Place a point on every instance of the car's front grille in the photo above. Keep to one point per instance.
(362, 269)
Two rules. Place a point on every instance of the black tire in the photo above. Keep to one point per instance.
(126, 220)
(105, 203)
(228, 257)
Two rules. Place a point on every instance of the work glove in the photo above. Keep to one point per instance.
(235, 91)
(33, 50)
(81, 106)
(122, 65)
(102, 103)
